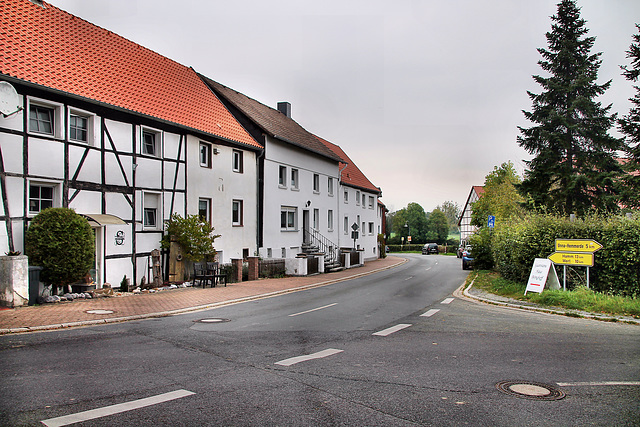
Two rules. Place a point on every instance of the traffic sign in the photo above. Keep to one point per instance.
(491, 222)
(577, 245)
(568, 258)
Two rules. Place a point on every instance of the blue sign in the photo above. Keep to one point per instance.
(492, 221)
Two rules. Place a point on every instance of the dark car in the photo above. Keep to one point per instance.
(430, 248)
(467, 258)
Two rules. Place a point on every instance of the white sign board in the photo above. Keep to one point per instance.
(542, 273)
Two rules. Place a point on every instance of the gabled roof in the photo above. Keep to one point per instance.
(271, 121)
(351, 175)
(52, 48)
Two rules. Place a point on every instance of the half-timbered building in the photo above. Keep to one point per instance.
(121, 134)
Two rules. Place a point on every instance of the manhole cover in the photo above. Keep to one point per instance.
(100, 311)
(530, 390)
(213, 320)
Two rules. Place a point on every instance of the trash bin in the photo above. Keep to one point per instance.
(35, 287)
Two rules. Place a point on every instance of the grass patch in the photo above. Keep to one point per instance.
(580, 298)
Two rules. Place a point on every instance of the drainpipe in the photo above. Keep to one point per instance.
(260, 198)
(339, 198)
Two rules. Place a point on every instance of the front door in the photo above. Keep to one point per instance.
(305, 226)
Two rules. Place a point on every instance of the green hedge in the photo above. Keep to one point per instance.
(616, 270)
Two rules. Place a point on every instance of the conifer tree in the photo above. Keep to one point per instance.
(629, 125)
(574, 169)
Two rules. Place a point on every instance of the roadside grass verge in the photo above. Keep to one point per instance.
(580, 298)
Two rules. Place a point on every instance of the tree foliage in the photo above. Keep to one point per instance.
(62, 242)
(452, 212)
(629, 125)
(574, 169)
(437, 227)
(500, 198)
(193, 234)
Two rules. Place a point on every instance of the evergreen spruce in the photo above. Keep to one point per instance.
(574, 169)
(629, 125)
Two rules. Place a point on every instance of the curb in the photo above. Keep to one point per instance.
(82, 323)
(463, 293)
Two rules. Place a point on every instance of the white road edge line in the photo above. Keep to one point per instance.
(391, 330)
(314, 309)
(430, 312)
(447, 301)
(599, 383)
(115, 409)
(318, 355)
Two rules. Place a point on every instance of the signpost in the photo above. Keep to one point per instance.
(491, 222)
(578, 252)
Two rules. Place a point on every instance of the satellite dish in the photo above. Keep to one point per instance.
(9, 100)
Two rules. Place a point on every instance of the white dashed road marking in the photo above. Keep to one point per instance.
(115, 409)
(313, 309)
(318, 355)
(430, 312)
(447, 301)
(392, 329)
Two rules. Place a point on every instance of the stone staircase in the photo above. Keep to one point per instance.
(316, 244)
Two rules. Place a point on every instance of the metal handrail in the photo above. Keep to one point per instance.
(326, 246)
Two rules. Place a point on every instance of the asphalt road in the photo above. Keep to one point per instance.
(394, 348)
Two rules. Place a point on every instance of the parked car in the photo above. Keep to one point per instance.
(430, 248)
(459, 251)
(467, 258)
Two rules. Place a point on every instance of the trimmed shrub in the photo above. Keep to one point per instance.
(62, 242)
(616, 266)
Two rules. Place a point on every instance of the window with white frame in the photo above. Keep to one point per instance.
(330, 220)
(364, 198)
(357, 198)
(316, 183)
(294, 179)
(151, 142)
(204, 209)
(371, 199)
(346, 225)
(42, 196)
(330, 186)
(288, 218)
(316, 219)
(151, 210)
(45, 118)
(282, 176)
(237, 213)
(238, 161)
(78, 128)
(371, 228)
(205, 154)
(346, 196)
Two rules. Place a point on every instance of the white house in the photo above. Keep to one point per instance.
(299, 179)
(120, 134)
(357, 207)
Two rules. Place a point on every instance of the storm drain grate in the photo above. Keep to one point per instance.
(212, 320)
(530, 390)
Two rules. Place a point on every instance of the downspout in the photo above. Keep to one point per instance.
(260, 197)
(340, 200)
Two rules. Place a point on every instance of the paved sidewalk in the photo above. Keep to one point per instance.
(163, 303)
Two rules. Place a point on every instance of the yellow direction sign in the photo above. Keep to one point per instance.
(565, 258)
(577, 245)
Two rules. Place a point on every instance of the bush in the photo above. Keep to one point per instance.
(481, 243)
(616, 267)
(194, 235)
(62, 242)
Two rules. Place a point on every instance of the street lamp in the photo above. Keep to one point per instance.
(406, 224)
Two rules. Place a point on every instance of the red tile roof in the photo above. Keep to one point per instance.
(351, 175)
(52, 48)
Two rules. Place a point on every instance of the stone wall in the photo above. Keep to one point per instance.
(14, 281)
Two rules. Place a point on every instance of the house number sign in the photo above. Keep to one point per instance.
(119, 239)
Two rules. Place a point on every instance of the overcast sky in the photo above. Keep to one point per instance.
(424, 96)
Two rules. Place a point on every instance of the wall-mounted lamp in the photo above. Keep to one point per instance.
(134, 166)
(216, 151)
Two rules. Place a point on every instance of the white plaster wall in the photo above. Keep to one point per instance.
(117, 204)
(87, 202)
(46, 158)
(121, 134)
(116, 268)
(171, 145)
(11, 152)
(222, 185)
(90, 170)
(304, 198)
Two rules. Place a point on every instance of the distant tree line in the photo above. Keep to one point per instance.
(423, 227)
